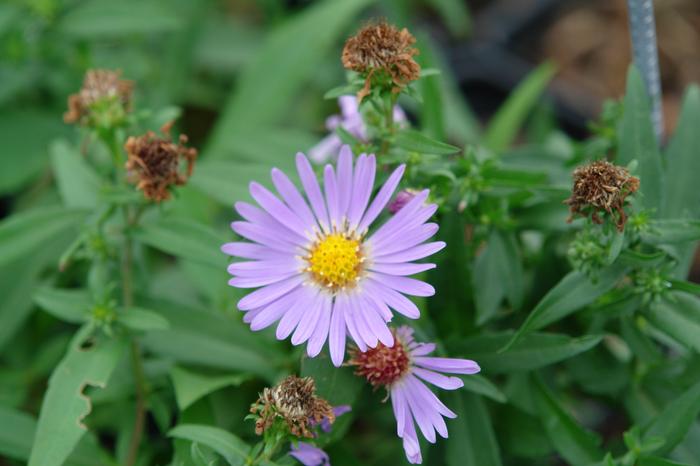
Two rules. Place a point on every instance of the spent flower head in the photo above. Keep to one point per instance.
(294, 403)
(154, 163)
(381, 52)
(601, 188)
(402, 369)
(319, 271)
(103, 100)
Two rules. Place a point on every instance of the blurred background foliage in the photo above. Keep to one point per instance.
(245, 80)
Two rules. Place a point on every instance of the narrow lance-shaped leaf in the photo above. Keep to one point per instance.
(472, 441)
(22, 233)
(233, 449)
(678, 315)
(412, 140)
(65, 304)
(190, 386)
(288, 58)
(674, 420)
(482, 386)
(184, 238)
(78, 183)
(572, 293)
(575, 444)
(510, 117)
(638, 142)
(65, 406)
(682, 162)
(534, 351)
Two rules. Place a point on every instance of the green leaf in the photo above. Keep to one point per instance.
(24, 232)
(498, 263)
(211, 339)
(688, 287)
(535, 350)
(65, 304)
(65, 404)
(289, 57)
(572, 293)
(338, 385)
(679, 317)
(655, 461)
(78, 183)
(227, 182)
(25, 137)
(682, 196)
(672, 231)
(455, 14)
(184, 238)
(432, 115)
(102, 18)
(511, 116)
(16, 442)
(345, 89)
(574, 443)
(482, 386)
(413, 140)
(637, 141)
(21, 278)
(233, 449)
(472, 441)
(190, 386)
(674, 420)
(142, 320)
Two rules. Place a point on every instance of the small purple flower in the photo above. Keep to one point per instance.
(318, 270)
(403, 369)
(337, 411)
(350, 119)
(401, 199)
(309, 455)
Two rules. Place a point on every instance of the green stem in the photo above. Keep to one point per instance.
(136, 359)
(389, 127)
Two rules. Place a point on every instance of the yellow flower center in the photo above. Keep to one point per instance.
(335, 261)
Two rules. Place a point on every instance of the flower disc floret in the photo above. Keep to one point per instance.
(335, 261)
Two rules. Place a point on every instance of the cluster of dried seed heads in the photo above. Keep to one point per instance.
(153, 163)
(382, 47)
(98, 85)
(294, 401)
(601, 187)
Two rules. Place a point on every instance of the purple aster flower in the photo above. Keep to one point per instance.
(350, 119)
(402, 369)
(309, 455)
(318, 270)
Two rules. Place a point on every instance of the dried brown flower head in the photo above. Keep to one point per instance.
(382, 47)
(98, 85)
(153, 163)
(293, 400)
(601, 187)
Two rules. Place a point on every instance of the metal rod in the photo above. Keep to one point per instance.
(646, 56)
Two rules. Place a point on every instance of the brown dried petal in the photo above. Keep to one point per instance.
(295, 401)
(154, 164)
(601, 187)
(382, 46)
